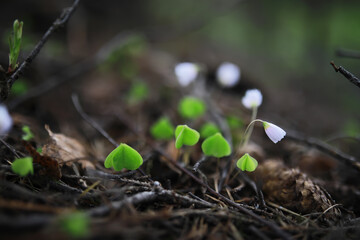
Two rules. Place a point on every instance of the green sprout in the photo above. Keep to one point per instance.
(191, 107)
(138, 92)
(247, 163)
(123, 58)
(185, 136)
(20, 87)
(75, 224)
(123, 156)
(14, 45)
(216, 146)
(234, 122)
(28, 135)
(208, 129)
(162, 129)
(23, 166)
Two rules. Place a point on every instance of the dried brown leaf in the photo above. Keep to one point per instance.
(66, 149)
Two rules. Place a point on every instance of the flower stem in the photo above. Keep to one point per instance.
(250, 127)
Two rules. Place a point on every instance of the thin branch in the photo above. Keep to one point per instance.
(94, 124)
(73, 71)
(348, 53)
(326, 148)
(58, 23)
(351, 77)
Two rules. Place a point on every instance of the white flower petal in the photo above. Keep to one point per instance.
(186, 73)
(252, 98)
(228, 74)
(5, 120)
(274, 132)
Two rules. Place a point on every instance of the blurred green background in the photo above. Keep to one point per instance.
(285, 45)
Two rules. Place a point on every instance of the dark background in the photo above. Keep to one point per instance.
(283, 46)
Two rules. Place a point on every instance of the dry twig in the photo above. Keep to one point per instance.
(58, 23)
(351, 77)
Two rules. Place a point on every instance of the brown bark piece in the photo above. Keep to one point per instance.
(293, 189)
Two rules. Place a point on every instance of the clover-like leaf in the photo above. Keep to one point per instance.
(185, 136)
(28, 135)
(247, 163)
(23, 166)
(208, 129)
(234, 122)
(216, 146)
(75, 224)
(162, 129)
(123, 156)
(191, 107)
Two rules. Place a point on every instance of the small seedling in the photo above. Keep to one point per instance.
(138, 92)
(185, 136)
(14, 45)
(162, 129)
(234, 122)
(5, 120)
(208, 129)
(75, 224)
(23, 166)
(191, 107)
(247, 163)
(123, 156)
(28, 135)
(216, 146)
(20, 87)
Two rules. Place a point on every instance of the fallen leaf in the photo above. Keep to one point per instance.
(50, 166)
(66, 149)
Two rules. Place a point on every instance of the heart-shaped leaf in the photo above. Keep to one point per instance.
(191, 107)
(185, 136)
(123, 156)
(23, 166)
(247, 163)
(208, 129)
(162, 129)
(216, 146)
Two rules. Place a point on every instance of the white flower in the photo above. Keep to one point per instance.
(186, 73)
(252, 99)
(5, 120)
(274, 132)
(228, 74)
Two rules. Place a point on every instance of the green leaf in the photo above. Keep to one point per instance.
(216, 146)
(191, 107)
(138, 92)
(14, 44)
(234, 122)
(185, 136)
(23, 166)
(208, 129)
(123, 156)
(28, 135)
(247, 163)
(20, 87)
(162, 129)
(75, 224)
